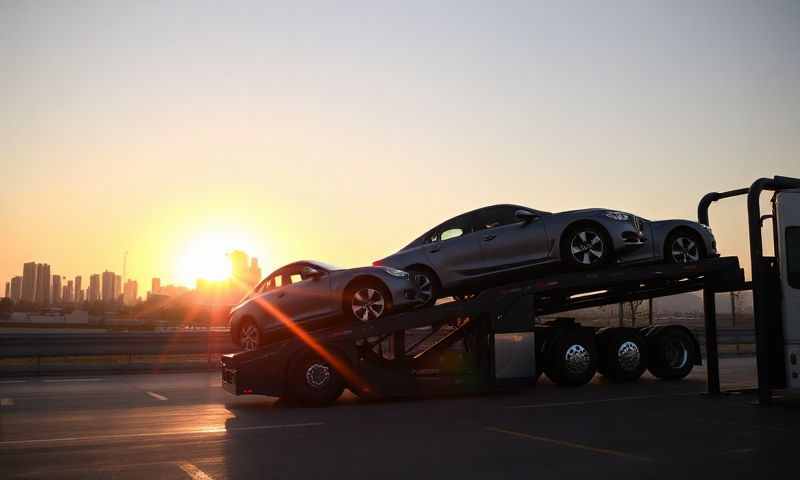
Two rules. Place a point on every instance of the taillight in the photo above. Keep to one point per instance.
(376, 263)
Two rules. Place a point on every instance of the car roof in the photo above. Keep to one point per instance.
(471, 212)
(311, 263)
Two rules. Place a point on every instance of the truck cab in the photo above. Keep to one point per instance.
(787, 230)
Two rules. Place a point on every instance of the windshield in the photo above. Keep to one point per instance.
(325, 266)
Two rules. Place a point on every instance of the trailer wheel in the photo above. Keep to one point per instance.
(312, 381)
(671, 355)
(623, 354)
(573, 359)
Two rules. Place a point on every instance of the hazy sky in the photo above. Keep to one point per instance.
(341, 130)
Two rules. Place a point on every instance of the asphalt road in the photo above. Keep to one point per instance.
(184, 426)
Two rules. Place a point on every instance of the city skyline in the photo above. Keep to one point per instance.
(108, 287)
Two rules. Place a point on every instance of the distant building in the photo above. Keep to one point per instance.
(69, 292)
(93, 294)
(8, 290)
(117, 287)
(239, 271)
(77, 290)
(55, 295)
(29, 282)
(42, 284)
(16, 289)
(155, 286)
(255, 272)
(108, 286)
(131, 293)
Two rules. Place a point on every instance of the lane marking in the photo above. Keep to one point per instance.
(602, 400)
(64, 380)
(563, 443)
(157, 396)
(2, 382)
(6, 402)
(194, 472)
(114, 467)
(123, 436)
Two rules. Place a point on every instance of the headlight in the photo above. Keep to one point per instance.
(395, 272)
(620, 216)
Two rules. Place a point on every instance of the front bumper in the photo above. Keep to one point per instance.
(403, 291)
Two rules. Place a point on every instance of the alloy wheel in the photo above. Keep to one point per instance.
(685, 250)
(249, 337)
(368, 304)
(424, 287)
(586, 247)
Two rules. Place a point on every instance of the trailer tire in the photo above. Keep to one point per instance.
(671, 356)
(623, 354)
(572, 359)
(311, 381)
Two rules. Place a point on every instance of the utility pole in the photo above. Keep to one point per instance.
(733, 314)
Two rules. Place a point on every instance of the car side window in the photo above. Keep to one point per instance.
(496, 217)
(451, 233)
(295, 278)
(266, 286)
(453, 229)
(277, 281)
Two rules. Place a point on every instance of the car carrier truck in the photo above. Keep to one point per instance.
(496, 339)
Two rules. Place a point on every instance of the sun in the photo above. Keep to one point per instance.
(205, 256)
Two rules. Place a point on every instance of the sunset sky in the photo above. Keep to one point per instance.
(340, 130)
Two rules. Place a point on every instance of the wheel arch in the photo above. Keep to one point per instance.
(237, 324)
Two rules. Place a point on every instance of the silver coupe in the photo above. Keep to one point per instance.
(499, 243)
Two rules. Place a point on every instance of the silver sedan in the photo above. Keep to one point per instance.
(310, 295)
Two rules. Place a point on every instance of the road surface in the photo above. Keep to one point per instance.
(183, 425)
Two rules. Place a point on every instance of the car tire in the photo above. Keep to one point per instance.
(586, 246)
(623, 354)
(572, 359)
(311, 381)
(367, 301)
(671, 355)
(428, 286)
(250, 336)
(683, 246)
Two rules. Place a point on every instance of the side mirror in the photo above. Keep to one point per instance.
(525, 216)
(312, 273)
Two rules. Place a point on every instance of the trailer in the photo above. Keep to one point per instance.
(496, 341)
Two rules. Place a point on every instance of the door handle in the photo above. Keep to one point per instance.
(434, 249)
(281, 294)
(489, 238)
